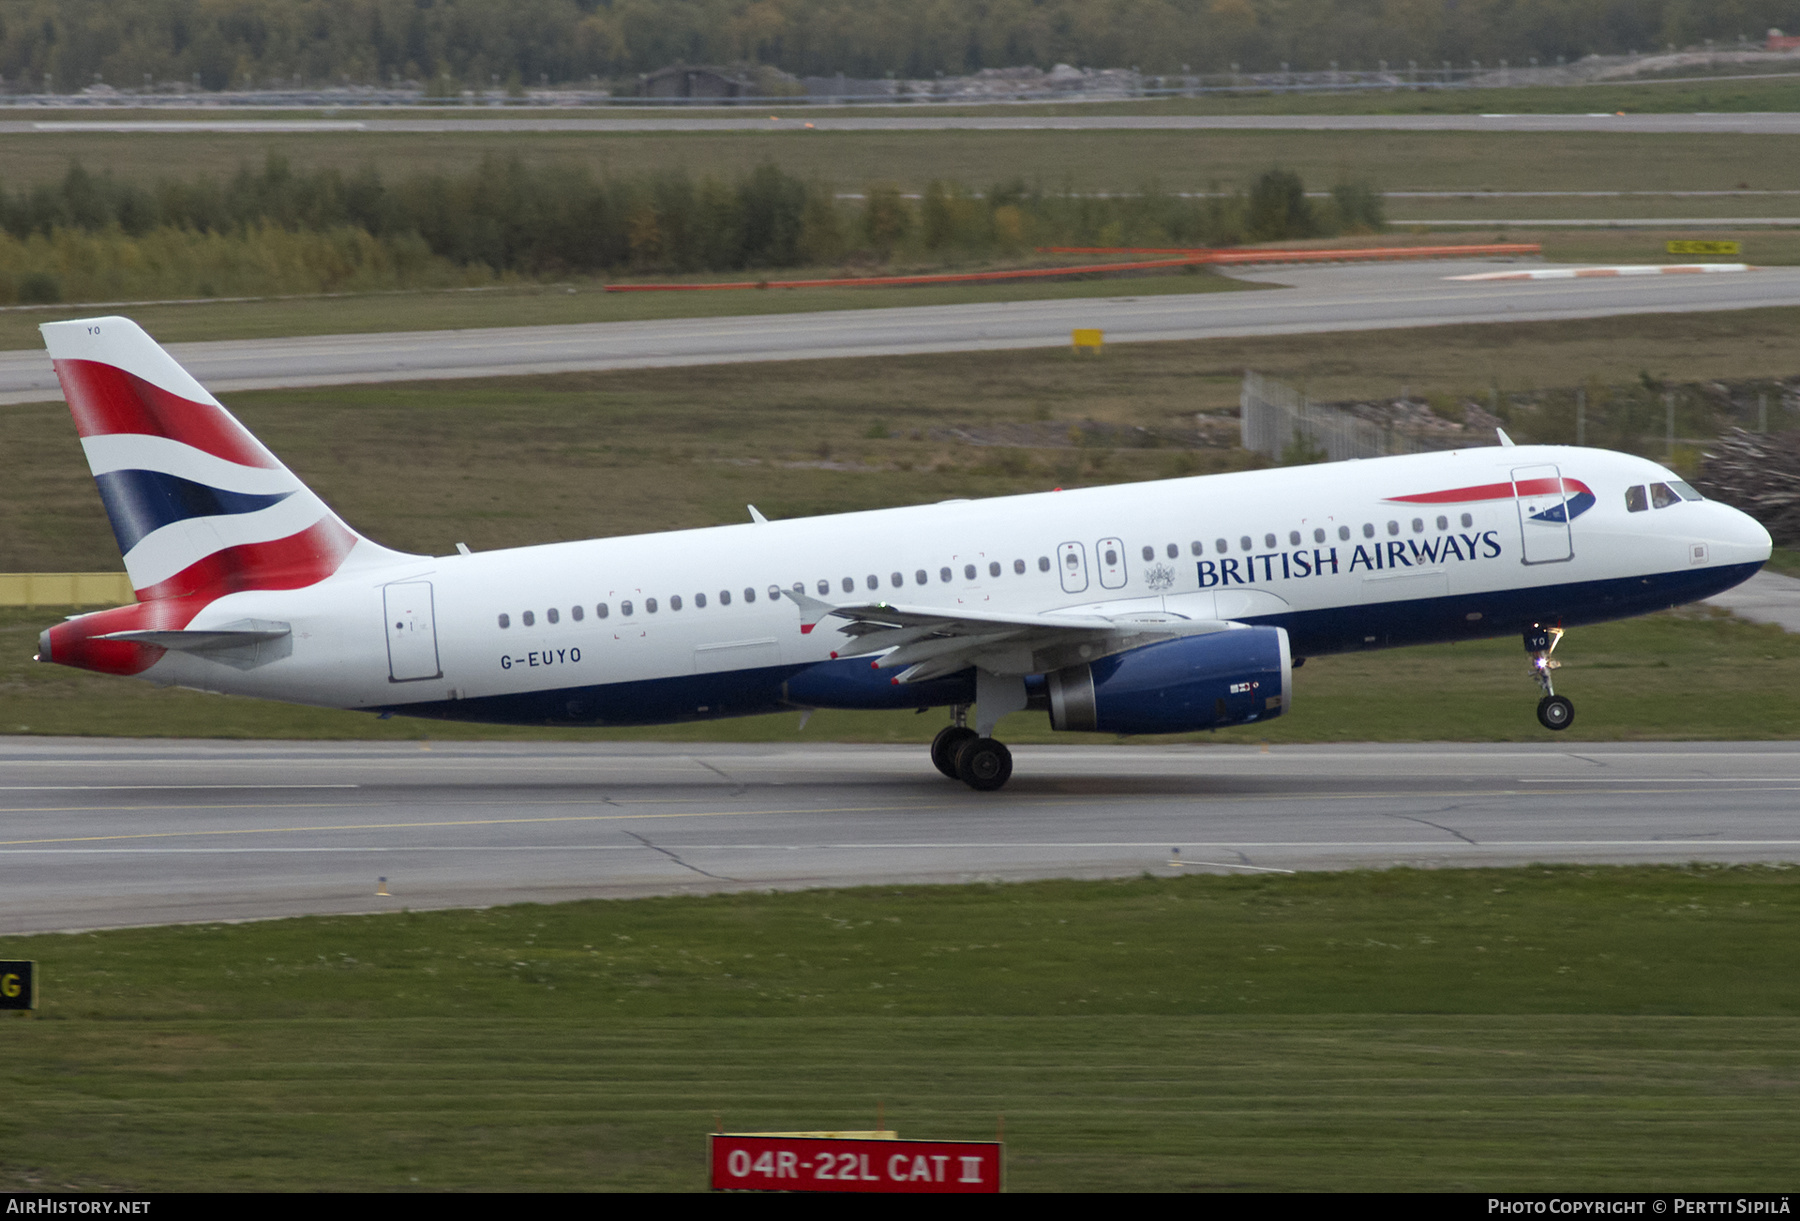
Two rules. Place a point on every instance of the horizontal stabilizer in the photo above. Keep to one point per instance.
(244, 645)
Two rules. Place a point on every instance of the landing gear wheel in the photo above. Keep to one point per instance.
(1556, 712)
(983, 764)
(944, 747)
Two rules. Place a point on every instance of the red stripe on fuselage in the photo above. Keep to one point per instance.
(1494, 491)
(293, 562)
(106, 400)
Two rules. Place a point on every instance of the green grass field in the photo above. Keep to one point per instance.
(1077, 160)
(1575, 1029)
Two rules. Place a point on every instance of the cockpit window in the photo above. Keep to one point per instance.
(1661, 496)
(1686, 491)
(1635, 500)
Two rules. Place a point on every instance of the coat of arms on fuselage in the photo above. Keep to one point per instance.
(1159, 577)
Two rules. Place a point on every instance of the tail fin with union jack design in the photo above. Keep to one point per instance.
(199, 506)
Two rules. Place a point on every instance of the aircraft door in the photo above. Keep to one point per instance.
(1110, 556)
(1071, 561)
(411, 632)
(1543, 515)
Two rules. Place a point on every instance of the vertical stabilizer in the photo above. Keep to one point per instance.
(199, 506)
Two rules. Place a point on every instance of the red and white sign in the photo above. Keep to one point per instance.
(812, 1163)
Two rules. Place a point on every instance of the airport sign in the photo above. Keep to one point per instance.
(1698, 247)
(781, 1162)
(18, 985)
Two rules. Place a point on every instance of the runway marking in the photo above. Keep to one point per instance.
(403, 826)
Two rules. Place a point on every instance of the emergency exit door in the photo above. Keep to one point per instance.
(411, 632)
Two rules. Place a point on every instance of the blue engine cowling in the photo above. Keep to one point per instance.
(1177, 686)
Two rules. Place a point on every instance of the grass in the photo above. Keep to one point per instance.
(1078, 160)
(1578, 1029)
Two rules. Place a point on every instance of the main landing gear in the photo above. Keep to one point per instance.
(1553, 711)
(962, 754)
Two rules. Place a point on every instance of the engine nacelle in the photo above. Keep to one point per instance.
(1177, 686)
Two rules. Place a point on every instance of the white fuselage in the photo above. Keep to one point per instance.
(1333, 554)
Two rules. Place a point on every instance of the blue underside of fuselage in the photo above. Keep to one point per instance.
(852, 683)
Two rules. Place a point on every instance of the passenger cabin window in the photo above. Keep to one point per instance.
(1269, 541)
(725, 597)
(1418, 525)
(1467, 520)
(600, 611)
(1112, 557)
(1368, 529)
(968, 572)
(649, 606)
(1019, 567)
(1043, 563)
(874, 582)
(700, 601)
(625, 608)
(1318, 536)
(1293, 538)
(993, 568)
(919, 577)
(576, 613)
(824, 588)
(1149, 554)
(1220, 546)
(1662, 496)
(551, 615)
(674, 602)
(527, 619)
(1197, 547)
(1343, 534)
(749, 593)
(1174, 550)
(1443, 523)
(505, 620)
(944, 574)
(896, 580)
(1245, 542)
(1393, 527)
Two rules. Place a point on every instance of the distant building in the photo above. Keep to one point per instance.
(682, 81)
(1782, 42)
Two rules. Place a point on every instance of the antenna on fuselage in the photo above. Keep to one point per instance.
(757, 517)
(1504, 439)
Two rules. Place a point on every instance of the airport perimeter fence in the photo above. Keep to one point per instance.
(1279, 421)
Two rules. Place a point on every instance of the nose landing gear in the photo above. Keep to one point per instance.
(1553, 711)
(962, 754)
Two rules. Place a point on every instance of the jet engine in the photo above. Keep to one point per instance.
(1177, 686)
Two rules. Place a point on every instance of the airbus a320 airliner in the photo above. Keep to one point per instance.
(1146, 608)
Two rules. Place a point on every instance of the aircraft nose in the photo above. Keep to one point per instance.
(1739, 538)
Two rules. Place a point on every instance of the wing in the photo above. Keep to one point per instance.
(928, 642)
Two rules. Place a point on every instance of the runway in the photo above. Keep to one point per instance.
(97, 833)
(1315, 299)
(804, 120)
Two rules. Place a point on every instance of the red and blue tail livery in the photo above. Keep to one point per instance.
(199, 507)
(1165, 607)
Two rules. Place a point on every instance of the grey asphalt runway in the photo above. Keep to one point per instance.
(796, 118)
(106, 833)
(1323, 298)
